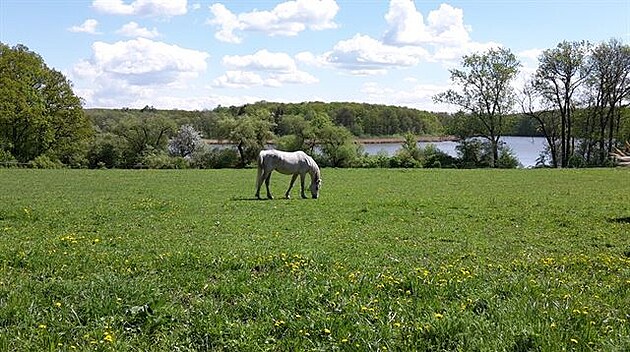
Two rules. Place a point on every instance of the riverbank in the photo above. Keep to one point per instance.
(421, 139)
(379, 140)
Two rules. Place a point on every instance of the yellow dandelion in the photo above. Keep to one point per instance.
(326, 331)
(344, 340)
(438, 315)
(108, 337)
(57, 304)
(42, 326)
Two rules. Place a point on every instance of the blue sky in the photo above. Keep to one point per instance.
(199, 54)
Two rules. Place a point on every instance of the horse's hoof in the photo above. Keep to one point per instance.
(270, 197)
(304, 196)
(287, 196)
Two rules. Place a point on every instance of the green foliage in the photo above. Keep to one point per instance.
(106, 151)
(485, 95)
(434, 158)
(476, 152)
(250, 134)
(436, 260)
(337, 146)
(148, 132)
(162, 160)
(39, 113)
(214, 158)
(45, 162)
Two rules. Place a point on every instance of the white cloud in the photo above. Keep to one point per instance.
(238, 79)
(272, 70)
(295, 77)
(363, 55)
(133, 69)
(132, 29)
(261, 60)
(157, 8)
(286, 19)
(227, 23)
(89, 26)
(530, 55)
(406, 26)
(450, 54)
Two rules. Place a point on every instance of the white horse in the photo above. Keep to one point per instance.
(288, 163)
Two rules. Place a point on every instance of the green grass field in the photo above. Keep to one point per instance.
(440, 260)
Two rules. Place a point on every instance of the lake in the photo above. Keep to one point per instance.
(526, 149)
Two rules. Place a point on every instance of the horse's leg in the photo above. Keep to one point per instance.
(302, 183)
(288, 195)
(267, 179)
(259, 181)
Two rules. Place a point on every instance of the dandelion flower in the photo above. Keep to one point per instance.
(438, 315)
(326, 331)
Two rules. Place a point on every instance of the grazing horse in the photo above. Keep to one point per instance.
(288, 163)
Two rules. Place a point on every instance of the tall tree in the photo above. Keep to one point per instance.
(532, 106)
(608, 92)
(485, 92)
(144, 133)
(250, 133)
(39, 112)
(561, 72)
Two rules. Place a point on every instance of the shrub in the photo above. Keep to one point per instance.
(161, 160)
(45, 162)
(214, 158)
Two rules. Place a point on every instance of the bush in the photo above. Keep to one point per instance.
(435, 158)
(105, 152)
(45, 162)
(161, 160)
(507, 159)
(401, 160)
(214, 158)
(380, 160)
(6, 159)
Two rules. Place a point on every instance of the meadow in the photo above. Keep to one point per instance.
(386, 259)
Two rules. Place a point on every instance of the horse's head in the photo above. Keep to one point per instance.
(315, 186)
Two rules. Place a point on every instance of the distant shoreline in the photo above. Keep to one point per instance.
(386, 140)
(383, 140)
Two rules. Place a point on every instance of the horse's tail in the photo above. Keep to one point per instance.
(259, 163)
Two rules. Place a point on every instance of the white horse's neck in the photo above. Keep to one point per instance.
(314, 172)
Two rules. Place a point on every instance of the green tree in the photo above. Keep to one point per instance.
(250, 134)
(561, 72)
(39, 112)
(337, 145)
(485, 92)
(143, 134)
(608, 90)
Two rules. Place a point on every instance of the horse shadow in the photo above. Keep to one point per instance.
(621, 220)
(245, 199)
(252, 199)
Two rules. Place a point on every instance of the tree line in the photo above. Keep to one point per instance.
(577, 100)
(577, 97)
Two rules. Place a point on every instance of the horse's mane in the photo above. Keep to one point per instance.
(314, 168)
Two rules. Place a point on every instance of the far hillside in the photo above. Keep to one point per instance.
(361, 119)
